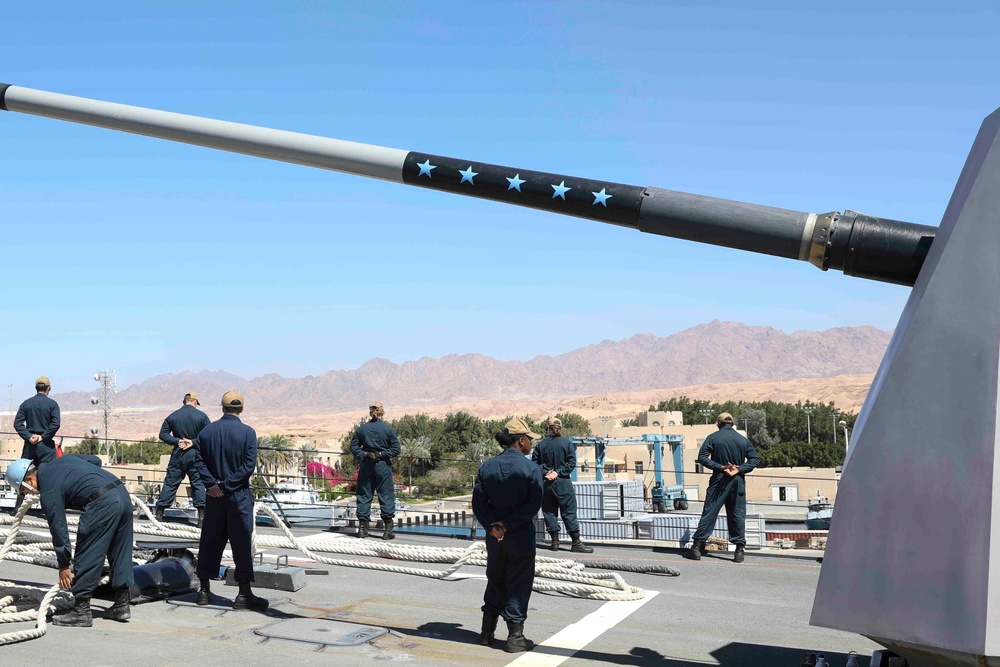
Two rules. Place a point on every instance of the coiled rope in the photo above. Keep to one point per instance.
(552, 575)
(9, 612)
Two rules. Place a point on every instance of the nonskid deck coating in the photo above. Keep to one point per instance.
(716, 612)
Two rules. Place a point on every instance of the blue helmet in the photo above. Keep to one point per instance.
(15, 472)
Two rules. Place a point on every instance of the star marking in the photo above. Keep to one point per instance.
(425, 168)
(515, 183)
(601, 197)
(560, 190)
(468, 175)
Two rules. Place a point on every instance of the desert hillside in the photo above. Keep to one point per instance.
(708, 354)
(326, 427)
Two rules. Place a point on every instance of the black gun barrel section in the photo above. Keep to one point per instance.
(859, 245)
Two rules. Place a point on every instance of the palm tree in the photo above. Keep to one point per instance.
(149, 491)
(413, 450)
(480, 449)
(305, 455)
(274, 453)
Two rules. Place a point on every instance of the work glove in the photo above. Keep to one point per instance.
(372, 456)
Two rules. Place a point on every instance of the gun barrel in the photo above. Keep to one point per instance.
(859, 245)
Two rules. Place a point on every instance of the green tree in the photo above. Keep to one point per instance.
(274, 453)
(460, 430)
(305, 455)
(477, 451)
(89, 445)
(754, 421)
(347, 464)
(572, 424)
(625, 423)
(414, 450)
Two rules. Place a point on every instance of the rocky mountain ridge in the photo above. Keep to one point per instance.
(716, 352)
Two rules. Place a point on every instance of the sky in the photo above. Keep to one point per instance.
(151, 257)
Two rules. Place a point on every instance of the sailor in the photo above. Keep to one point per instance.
(105, 530)
(37, 422)
(505, 499)
(180, 429)
(557, 457)
(730, 457)
(225, 458)
(374, 445)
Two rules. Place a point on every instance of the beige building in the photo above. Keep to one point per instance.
(631, 458)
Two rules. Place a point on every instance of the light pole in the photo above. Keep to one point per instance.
(605, 419)
(847, 444)
(808, 410)
(835, 428)
(705, 414)
(105, 400)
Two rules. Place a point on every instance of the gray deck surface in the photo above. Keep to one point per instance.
(716, 612)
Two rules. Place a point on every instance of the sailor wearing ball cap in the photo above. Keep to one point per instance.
(505, 499)
(180, 429)
(226, 456)
(730, 457)
(37, 422)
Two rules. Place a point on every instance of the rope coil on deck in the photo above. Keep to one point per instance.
(552, 575)
(9, 613)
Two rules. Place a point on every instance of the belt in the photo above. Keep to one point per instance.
(101, 491)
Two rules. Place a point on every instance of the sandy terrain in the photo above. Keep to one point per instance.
(847, 391)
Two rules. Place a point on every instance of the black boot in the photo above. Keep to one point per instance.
(554, 544)
(201, 516)
(158, 513)
(738, 556)
(486, 636)
(247, 600)
(694, 553)
(77, 617)
(120, 610)
(389, 533)
(578, 546)
(362, 528)
(204, 593)
(516, 641)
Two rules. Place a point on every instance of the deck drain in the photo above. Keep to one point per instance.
(322, 632)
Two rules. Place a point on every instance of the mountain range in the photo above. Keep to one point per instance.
(715, 352)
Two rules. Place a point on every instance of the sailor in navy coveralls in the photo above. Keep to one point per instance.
(226, 456)
(105, 529)
(505, 499)
(374, 445)
(180, 429)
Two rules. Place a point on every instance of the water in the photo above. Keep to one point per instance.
(448, 530)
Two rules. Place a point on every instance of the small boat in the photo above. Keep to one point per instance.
(299, 504)
(8, 496)
(819, 514)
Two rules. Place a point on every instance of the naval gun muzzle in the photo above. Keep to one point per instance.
(859, 245)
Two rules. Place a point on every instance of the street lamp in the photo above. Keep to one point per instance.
(705, 413)
(847, 444)
(605, 419)
(835, 415)
(808, 410)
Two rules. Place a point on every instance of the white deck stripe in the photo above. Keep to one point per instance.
(561, 646)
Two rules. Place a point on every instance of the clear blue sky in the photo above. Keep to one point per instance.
(150, 257)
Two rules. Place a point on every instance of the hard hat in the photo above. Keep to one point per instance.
(15, 472)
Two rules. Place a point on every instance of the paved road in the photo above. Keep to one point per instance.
(715, 613)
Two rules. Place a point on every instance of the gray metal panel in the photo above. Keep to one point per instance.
(305, 149)
(763, 229)
(927, 438)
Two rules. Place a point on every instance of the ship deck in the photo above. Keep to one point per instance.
(715, 613)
